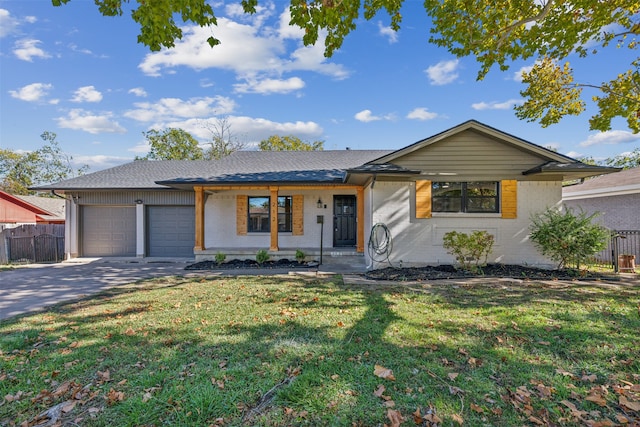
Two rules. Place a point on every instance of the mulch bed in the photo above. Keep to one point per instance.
(490, 270)
(248, 264)
(418, 273)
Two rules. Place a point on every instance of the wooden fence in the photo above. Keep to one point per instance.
(32, 243)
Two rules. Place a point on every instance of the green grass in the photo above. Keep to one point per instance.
(199, 352)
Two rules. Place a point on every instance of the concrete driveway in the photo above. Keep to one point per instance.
(32, 287)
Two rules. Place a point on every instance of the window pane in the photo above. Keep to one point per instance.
(447, 189)
(482, 196)
(446, 204)
(258, 214)
(285, 213)
(446, 196)
(482, 204)
(487, 189)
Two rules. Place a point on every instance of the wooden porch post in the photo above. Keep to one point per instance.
(360, 219)
(274, 218)
(199, 240)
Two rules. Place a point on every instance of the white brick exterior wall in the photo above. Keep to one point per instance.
(419, 241)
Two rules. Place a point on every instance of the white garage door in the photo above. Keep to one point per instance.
(108, 231)
(170, 231)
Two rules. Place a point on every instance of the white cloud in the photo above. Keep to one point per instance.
(27, 49)
(367, 116)
(268, 86)
(611, 137)
(574, 154)
(138, 91)
(86, 94)
(388, 32)
(247, 50)
(444, 72)
(249, 130)
(32, 93)
(7, 23)
(286, 31)
(79, 119)
(175, 109)
(517, 76)
(421, 113)
(506, 105)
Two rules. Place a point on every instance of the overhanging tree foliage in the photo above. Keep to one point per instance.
(495, 33)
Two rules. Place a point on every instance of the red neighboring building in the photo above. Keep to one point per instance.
(16, 210)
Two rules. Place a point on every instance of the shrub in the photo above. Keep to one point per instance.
(220, 257)
(262, 256)
(471, 250)
(566, 237)
(300, 256)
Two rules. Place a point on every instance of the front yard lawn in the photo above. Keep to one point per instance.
(282, 351)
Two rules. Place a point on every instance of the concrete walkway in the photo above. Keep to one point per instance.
(32, 287)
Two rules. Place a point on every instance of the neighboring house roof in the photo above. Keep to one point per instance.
(623, 182)
(44, 209)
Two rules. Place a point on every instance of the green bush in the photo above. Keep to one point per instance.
(220, 258)
(471, 250)
(300, 255)
(262, 256)
(567, 238)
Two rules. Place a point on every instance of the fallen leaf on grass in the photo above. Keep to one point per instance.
(382, 372)
(114, 396)
(455, 390)
(395, 417)
(574, 410)
(476, 408)
(379, 391)
(457, 419)
(596, 398)
(634, 406)
(452, 375)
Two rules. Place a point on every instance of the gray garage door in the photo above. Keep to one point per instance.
(108, 231)
(170, 231)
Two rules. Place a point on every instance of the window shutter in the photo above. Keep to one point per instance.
(242, 203)
(423, 199)
(298, 215)
(509, 198)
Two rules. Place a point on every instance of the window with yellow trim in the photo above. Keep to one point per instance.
(467, 197)
(260, 214)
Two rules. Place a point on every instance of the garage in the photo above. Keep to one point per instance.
(108, 231)
(170, 231)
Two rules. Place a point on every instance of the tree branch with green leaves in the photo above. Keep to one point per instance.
(495, 34)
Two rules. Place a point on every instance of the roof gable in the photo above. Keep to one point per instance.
(487, 131)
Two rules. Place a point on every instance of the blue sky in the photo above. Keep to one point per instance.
(72, 71)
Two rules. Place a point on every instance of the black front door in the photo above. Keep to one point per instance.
(344, 221)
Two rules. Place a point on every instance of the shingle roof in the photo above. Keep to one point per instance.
(627, 178)
(55, 206)
(240, 167)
